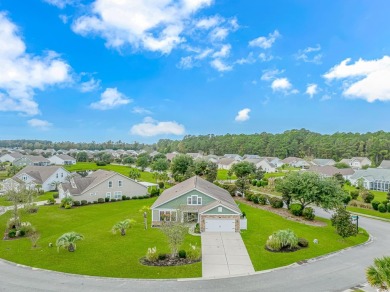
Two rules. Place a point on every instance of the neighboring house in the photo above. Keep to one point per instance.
(251, 156)
(154, 153)
(357, 162)
(266, 165)
(296, 162)
(233, 156)
(170, 156)
(385, 164)
(323, 162)
(30, 176)
(373, 179)
(101, 184)
(200, 201)
(226, 163)
(31, 161)
(10, 157)
(196, 156)
(212, 158)
(329, 171)
(62, 159)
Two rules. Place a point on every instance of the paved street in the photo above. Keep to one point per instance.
(334, 273)
(224, 254)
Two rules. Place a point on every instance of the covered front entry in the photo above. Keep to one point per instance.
(220, 225)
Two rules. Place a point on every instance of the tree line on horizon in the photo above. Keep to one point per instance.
(299, 143)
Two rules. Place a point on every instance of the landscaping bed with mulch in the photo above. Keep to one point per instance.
(168, 262)
(282, 212)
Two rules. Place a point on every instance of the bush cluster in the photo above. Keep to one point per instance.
(296, 209)
(282, 239)
(308, 213)
(257, 198)
(276, 202)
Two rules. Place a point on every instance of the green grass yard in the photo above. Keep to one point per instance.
(223, 175)
(122, 169)
(101, 253)
(44, 197)
(369, 212)
(261, 224)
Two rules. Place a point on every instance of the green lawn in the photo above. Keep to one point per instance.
(122, 169)
(274, 174)
(261, 224)
(223, 175)
(369, 212)
(101, 253)
(44, 197)
(380, 196)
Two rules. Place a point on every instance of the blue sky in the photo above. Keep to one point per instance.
(142, 70)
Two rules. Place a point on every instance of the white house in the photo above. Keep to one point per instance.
(30, 176)
(357, 162)
(62, 159)
(373, 179)
(10, 157)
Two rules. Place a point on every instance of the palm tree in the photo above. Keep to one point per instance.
(122, 226)
(378, 275)
(68, 241)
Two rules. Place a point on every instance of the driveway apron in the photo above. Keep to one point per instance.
(224, 254)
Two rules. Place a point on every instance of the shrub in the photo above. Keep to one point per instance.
(11, 223)
(50, 201)
(135, 198)
(258, 184)
(21, 233)
(26, 227)
(113, 200)
(197, 228)
(263, 199)
(264, 183)
(385, 202)
(353, 204)
(161, 185)
(66, 201)
(101, 200)
(12, 233)
(56, 195)
(162, 256)
(296, 209)
(308, 213)
(302, 242)
(367, 196)
(84, 202)
(254, 182)
(76, 203)
(33, 208)
(375, 204)
(282, 239)
(67, 206)
(193, 253)
(255, 198)
(354, 194)
(151, 254)
(382, 208)
(124, 198)
(101, 163)
(128, 198)
(347, 198)
(388, 208)
(106, 199)
(182, 254)
(95, 202)
(155, 192)
(276, 202)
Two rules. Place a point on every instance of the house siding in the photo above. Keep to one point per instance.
(214, 211)
(182, 201)
(129, 188)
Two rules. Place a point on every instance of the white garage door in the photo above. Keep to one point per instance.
(220, 225)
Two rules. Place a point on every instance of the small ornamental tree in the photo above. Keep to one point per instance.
(342, 221)
(378, 275)
(122, 226)
(175, 233)
(68, 241)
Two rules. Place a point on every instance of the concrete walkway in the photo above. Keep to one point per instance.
(224, 254)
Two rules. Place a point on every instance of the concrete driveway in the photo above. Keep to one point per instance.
(224, 254)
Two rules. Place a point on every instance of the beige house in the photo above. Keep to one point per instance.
(227, 163)
(101, 184)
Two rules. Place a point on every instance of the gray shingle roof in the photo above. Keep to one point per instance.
(65, 157)
(372, 174)
(197, 183)
(329, 170)
(39, 173)
(385, 164)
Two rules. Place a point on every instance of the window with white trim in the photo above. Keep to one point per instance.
(118, 195)
(24, 177)
(110, 184)
(62, 174)
(108, 195)
(168, 216)
(56, 175)
(119, 183)
(194, 200)
(219, 209)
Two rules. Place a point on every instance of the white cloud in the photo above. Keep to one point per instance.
(243, 115)
(312, 89)
(219, 33)
(64, 18)
(270, 74)
(39, 124)
(141, 111)
(310, 55)
(265, 58)
(207, 23)
(150, 128)
(142, 24)
(90, 85)
(248, 60)
(109, 99)
(220, 65)
(265, 42)
(186, 63)
(368, 80)
(223, 52)
(61, 3)
(325, 97)
(281, 84)
(21, 74)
